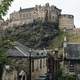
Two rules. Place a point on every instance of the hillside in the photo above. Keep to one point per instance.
(75, 38)
(36, 35)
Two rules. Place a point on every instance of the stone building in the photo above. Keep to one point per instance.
(20, 67)
(66, 21)
(72, 59)
(29, 15)
(53, 64)
(43, 13)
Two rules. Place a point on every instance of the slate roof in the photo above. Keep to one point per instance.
(26, 9)
(73, 51)
(20, 50)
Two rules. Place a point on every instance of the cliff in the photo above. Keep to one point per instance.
(35, 35)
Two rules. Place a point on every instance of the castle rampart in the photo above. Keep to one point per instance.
(66, 21)
(25, 16)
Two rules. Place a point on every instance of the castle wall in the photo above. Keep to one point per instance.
(20, 18)
(55, 12)
(25, 16)
(66, 21)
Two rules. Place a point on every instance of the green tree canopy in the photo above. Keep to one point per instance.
(4, 6)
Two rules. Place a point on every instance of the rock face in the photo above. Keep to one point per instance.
(35, 35)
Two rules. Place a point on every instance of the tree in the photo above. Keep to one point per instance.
(3, 61)
(4, 6)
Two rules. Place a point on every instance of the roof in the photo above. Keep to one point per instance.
(20, 50)
(73, 51)
(26, 9)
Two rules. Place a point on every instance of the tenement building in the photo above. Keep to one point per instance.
(24, 63)
(72, 59)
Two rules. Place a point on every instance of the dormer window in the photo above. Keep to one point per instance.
(37, 53)
(41, 53)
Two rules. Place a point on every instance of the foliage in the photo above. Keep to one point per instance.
(3, 60)
(4, 6)
(35, 35)
(2, 56)
(66, 76)
(57, 42)
(69, 77)
(73, 37)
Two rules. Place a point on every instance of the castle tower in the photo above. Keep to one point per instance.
(66, 21)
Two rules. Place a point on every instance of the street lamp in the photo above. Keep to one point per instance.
(56, 64)
(30, 64)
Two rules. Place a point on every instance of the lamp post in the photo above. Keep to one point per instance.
(30, 64)
(56, 64)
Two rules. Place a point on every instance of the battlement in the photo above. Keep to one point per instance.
(66, 21)
(67, 16)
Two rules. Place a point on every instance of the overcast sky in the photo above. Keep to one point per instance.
(67, 6)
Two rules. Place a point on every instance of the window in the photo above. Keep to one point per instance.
(37, 53)
(41, 53)
(32, 65)
(71, 66)
(40, 64)
(53, 17)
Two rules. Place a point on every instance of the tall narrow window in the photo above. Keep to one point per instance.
(40, 63)
(32, 65)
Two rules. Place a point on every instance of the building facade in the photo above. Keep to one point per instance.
(72, 59)
(24, 64)
(29, 15)
(66, 21)
(44, 13)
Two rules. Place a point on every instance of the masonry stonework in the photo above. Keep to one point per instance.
(26, 16)
(66, 21)
(44, 13)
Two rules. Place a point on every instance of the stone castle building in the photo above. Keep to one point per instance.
(66, 21)
(29, 15)
(43, 13)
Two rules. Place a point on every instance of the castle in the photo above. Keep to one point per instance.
(46, 12)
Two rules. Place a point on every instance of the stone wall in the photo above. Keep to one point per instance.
(25, 16)
(40, 68)
(20, 66)
(66, 21)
